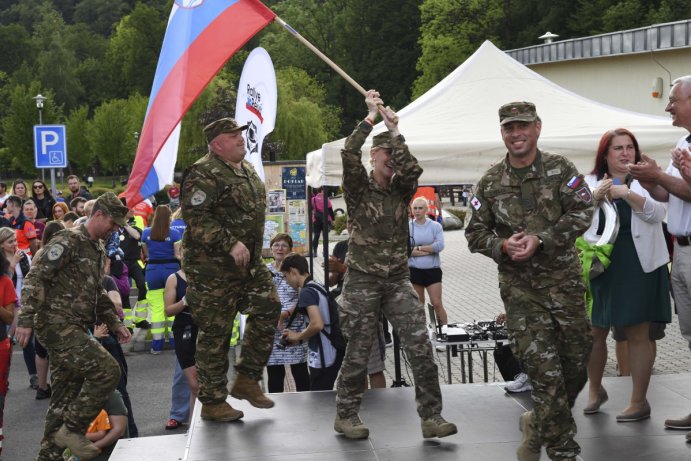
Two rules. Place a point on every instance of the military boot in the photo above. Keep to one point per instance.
(436, 426)
(78, 444)
(246, 388)
(351, 427)
(221, 411)
(529, 449)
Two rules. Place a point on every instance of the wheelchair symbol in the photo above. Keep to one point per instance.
(55, 157)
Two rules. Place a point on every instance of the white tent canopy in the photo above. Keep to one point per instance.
(453, 129)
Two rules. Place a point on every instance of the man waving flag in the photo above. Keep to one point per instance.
(200, 37)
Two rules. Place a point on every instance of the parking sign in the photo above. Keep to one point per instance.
(50, 146)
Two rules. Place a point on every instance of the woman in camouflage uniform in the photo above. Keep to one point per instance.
(378, 278)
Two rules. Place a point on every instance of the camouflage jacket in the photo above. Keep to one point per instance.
(552, 201)
(379, 242)
(64, 284)
(221, 205)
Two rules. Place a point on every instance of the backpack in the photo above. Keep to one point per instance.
(336, 337)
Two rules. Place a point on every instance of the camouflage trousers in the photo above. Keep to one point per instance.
(83, 375)
(214, 302)
(362, 302)
(551, 336)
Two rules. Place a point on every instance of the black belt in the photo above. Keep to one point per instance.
(683, 240)
(163, 261)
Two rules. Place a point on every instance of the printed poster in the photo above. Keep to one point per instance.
(277, 201)
(273, 225)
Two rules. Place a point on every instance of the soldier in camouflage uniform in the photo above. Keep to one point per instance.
(223, 203)
(378, 277)
(62, 296)
(528, 211)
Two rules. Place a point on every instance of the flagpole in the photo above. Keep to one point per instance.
(321, 55)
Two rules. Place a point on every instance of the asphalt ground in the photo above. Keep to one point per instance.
(470, 293)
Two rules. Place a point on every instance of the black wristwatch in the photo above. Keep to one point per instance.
(541, 246)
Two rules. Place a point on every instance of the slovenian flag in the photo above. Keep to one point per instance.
(201, 36)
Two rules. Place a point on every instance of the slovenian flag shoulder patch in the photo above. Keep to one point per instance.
(575, 182)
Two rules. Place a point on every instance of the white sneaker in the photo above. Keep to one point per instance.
(520, 383)
(440, 348)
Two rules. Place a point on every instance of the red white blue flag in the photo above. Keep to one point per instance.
(201, 36)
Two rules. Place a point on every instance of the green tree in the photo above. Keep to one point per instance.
(79, 152)
(304, 121)
(133, 51)
(66, 8)
(24, 13)
(587, 18)
(17, 125)
(109, 134)
(136, 107)
(100, 15)
(15, 47)
(56, 62)
(450, 32)
(624, 15)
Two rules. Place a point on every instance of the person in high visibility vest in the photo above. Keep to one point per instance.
(130, 244)
(162, 251)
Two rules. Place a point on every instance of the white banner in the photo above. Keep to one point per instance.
(256, 105)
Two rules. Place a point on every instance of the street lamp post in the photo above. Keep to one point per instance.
(112, 171)
(136, 142)
(40, 99)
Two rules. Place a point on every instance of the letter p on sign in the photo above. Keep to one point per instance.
(50, 146)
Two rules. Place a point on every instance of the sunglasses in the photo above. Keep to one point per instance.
(38, 186)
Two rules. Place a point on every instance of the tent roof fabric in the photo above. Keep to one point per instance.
(453, 129)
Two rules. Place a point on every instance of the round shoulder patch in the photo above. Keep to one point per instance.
(198, 198)
(55, 251)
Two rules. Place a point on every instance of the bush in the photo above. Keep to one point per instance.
(97, 191)
(340, 223)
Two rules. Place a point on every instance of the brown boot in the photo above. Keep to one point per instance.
(221, 411)
(78, 444)
(436, 426)
(529, 449)
(351, 427)
(246, 388)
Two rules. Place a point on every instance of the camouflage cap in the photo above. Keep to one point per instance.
(112, 204)
(519, 111)
(223, 125)
(382, 140)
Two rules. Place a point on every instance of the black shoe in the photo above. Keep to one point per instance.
(33, 382)
(144, 325)
(42, 394)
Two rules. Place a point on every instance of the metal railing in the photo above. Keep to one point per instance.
(658, 37)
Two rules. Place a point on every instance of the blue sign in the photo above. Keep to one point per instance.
(50, 146)
(294, 182)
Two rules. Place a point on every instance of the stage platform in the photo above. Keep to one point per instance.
(300, 428)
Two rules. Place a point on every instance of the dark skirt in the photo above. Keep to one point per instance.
(625, 295)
